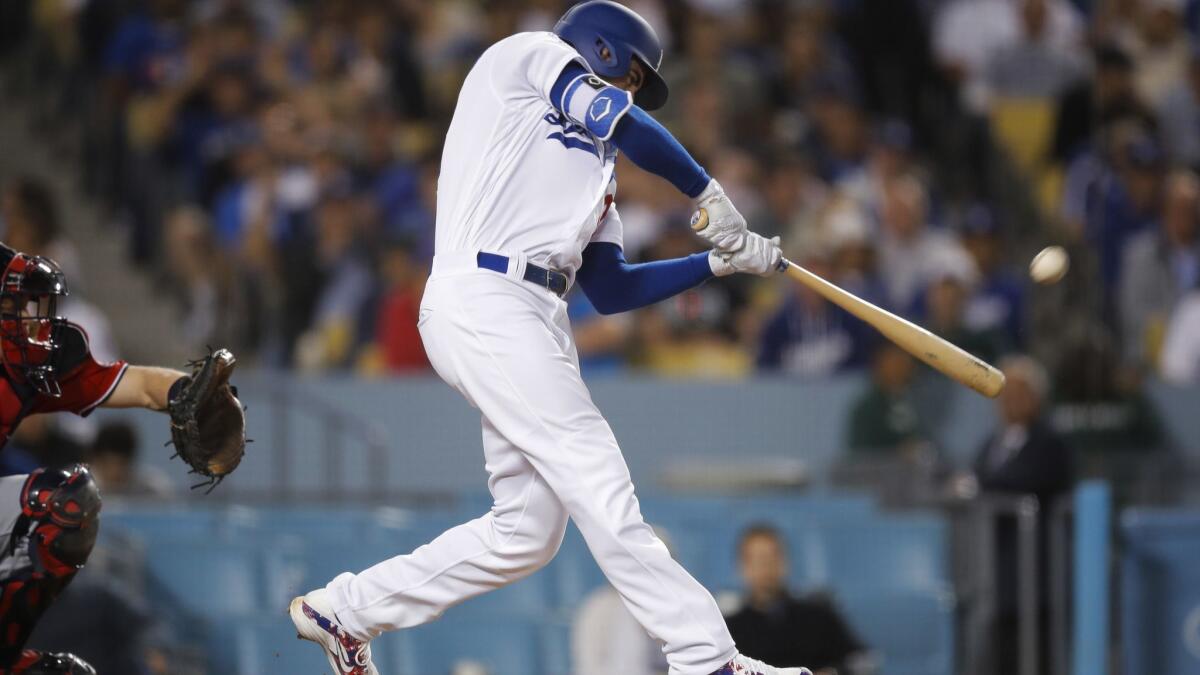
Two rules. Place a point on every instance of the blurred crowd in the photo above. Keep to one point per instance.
(274, 165)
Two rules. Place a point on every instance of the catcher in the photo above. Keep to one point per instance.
(49, 519)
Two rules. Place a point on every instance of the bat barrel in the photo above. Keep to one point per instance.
(938, 353)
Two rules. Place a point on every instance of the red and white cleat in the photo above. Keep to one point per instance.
(315, 621)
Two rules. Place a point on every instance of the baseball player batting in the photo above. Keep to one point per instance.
(525, 209)
(50, 518)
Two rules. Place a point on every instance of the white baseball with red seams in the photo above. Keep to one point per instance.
(517, 179)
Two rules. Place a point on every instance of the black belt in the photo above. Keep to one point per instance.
(556, 282)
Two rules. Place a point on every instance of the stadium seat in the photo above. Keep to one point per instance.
(222, 579)
(556, 646)
(503, 645)
(893, 552)
(530, 597)
(396, 526)
(1024, 127)
(912, 631)
(208, 578)
(267, 645)
(149, 524)
(1160, 591)
(573, 573)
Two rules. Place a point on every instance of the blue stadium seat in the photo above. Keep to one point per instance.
(1160, 591)
(529, 597)
(893, 552)
(504, 645)
(208, 578)
(335, 526)
(149, 524)
(573, 572)
(267, 645)
(913, 631)
(705, 530)
(556, 646)
(319, 562)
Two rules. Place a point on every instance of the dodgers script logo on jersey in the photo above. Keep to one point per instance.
(572, 135)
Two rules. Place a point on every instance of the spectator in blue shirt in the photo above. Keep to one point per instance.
(808, 336)
(998, 300)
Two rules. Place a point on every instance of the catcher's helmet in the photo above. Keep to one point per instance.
(591, 26)
(30, 326)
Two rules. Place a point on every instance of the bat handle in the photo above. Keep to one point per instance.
(783, 265)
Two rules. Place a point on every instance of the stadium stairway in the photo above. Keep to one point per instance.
(142, 320)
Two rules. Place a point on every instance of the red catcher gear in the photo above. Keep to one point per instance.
(64, 507)
(50, 541)
(30, 327)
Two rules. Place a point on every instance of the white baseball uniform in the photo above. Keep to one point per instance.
(520, 180)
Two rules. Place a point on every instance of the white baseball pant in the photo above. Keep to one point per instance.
(506, 345)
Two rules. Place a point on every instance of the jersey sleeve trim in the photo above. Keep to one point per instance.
(570, 90)
(107, 394)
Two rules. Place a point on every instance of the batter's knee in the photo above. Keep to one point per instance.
(531, 541)
(62, 508)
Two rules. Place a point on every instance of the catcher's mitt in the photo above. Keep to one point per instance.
(208, 422)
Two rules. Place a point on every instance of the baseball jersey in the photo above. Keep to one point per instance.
(85, 384)
(517, 175)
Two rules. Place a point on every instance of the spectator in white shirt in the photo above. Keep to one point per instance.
(967, 32)
(1180, 359)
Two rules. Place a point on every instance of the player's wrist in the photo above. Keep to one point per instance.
(711, 191)
(719, 266)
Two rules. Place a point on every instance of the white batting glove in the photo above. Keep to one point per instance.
(726, 228)
(759, 256)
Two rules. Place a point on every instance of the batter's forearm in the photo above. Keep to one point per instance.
(614, 285)
(144, 387)
(651, 147)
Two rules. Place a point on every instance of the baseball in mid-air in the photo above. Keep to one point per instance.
(1050, 265)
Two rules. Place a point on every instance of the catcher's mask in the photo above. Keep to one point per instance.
(29, 322)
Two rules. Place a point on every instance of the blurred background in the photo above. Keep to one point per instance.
(262, 176)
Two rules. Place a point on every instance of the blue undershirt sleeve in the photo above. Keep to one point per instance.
(614, 286)
(647, 143)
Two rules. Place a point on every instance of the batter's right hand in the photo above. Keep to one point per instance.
(759, 256)
(717, 221)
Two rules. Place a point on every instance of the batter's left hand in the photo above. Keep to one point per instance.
(758, 255)
(717, 221)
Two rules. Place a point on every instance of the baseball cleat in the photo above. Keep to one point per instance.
(744, 665)
(39, 663)
(315, 621)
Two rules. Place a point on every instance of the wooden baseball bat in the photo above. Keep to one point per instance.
(940, 354)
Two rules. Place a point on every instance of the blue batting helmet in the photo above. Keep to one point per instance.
(591, 26)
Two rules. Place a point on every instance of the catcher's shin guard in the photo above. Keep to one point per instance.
(50, 541)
